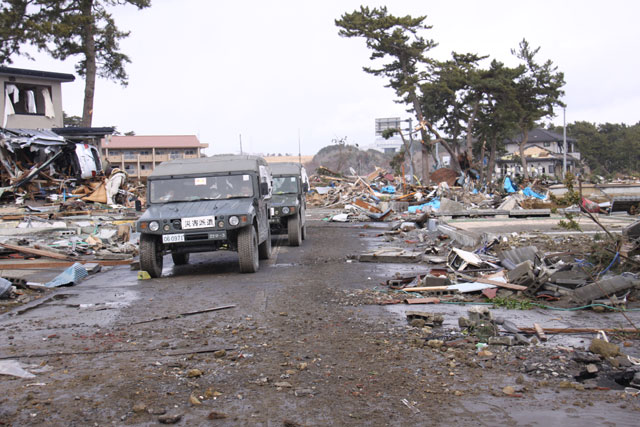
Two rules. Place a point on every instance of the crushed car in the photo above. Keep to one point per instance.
(288, 204)
(207, 204)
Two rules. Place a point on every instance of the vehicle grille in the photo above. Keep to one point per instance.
(198, 236)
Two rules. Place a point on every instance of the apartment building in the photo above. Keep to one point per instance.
(139, 155)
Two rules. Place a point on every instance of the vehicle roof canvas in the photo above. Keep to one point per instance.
(286, 168)
(206, 165)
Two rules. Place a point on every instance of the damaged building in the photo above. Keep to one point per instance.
(39, 157)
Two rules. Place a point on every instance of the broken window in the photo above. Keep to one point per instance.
(21, 98)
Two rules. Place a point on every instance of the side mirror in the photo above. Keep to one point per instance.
(305, 187)
(264, 188)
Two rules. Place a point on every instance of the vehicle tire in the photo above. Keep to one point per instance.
(151, 255)
(248, 250)
(304, 232)
(294, 231)
(180, 259)
(264, 249)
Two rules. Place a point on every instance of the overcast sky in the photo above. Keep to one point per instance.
(273, 70)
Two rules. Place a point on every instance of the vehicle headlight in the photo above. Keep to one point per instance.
(154, 226)
(285, 210)
(233, 220)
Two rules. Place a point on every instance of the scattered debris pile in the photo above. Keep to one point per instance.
(38, 241)
(491, 267)
(381, 194)
(44, 166)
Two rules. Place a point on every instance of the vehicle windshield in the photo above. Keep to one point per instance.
(200, 188)
(285, 185)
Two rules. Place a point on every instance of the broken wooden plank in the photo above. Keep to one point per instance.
(493, 282)
(429, 300)
(56, 264)
(37, 252)
(540, 332)
(391, 257)
(501, 284)
(20, 217)
(579, 330)
(369, 207)
(188, 313)
(426, 288)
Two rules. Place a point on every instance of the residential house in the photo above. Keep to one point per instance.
(544, 152)
(139, 155)
(32, 99)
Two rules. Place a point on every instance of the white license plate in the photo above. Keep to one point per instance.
(172, 238)
(198, 222)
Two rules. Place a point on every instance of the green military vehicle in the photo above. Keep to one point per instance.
(207, 204)
(288, 204)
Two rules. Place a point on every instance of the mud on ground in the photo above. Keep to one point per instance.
(291, 352)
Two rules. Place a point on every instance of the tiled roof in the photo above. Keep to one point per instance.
(153, 141)
(540, 135)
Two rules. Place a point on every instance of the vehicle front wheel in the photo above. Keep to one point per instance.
(180, 259)
(304, 232)
(264, 250)
(151, 255)
(293, 228)
(248, 250)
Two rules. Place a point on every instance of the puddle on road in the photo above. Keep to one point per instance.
(95, 301)
(523, 319)
(538, 410)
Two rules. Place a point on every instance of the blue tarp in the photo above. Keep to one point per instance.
(508, 186)
(389, 189)
(530, 193)
(434, 204)
(70, 276)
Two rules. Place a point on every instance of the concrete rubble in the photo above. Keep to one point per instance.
(484, 271)
(58, 206)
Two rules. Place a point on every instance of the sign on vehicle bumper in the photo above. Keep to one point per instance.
(218, 235)
(198, 222)
(172, 238)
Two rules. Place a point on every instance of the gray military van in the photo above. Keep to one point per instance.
(288, 204)
(207, 204)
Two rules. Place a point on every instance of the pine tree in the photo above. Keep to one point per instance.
(69, 28)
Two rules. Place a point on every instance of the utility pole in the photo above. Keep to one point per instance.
(411, 171)
(299, 151)
(564, 138)
(240, 143)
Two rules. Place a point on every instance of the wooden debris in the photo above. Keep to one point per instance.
(540, 332)
(38, 252)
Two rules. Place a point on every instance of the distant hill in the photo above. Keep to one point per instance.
(341, 158)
